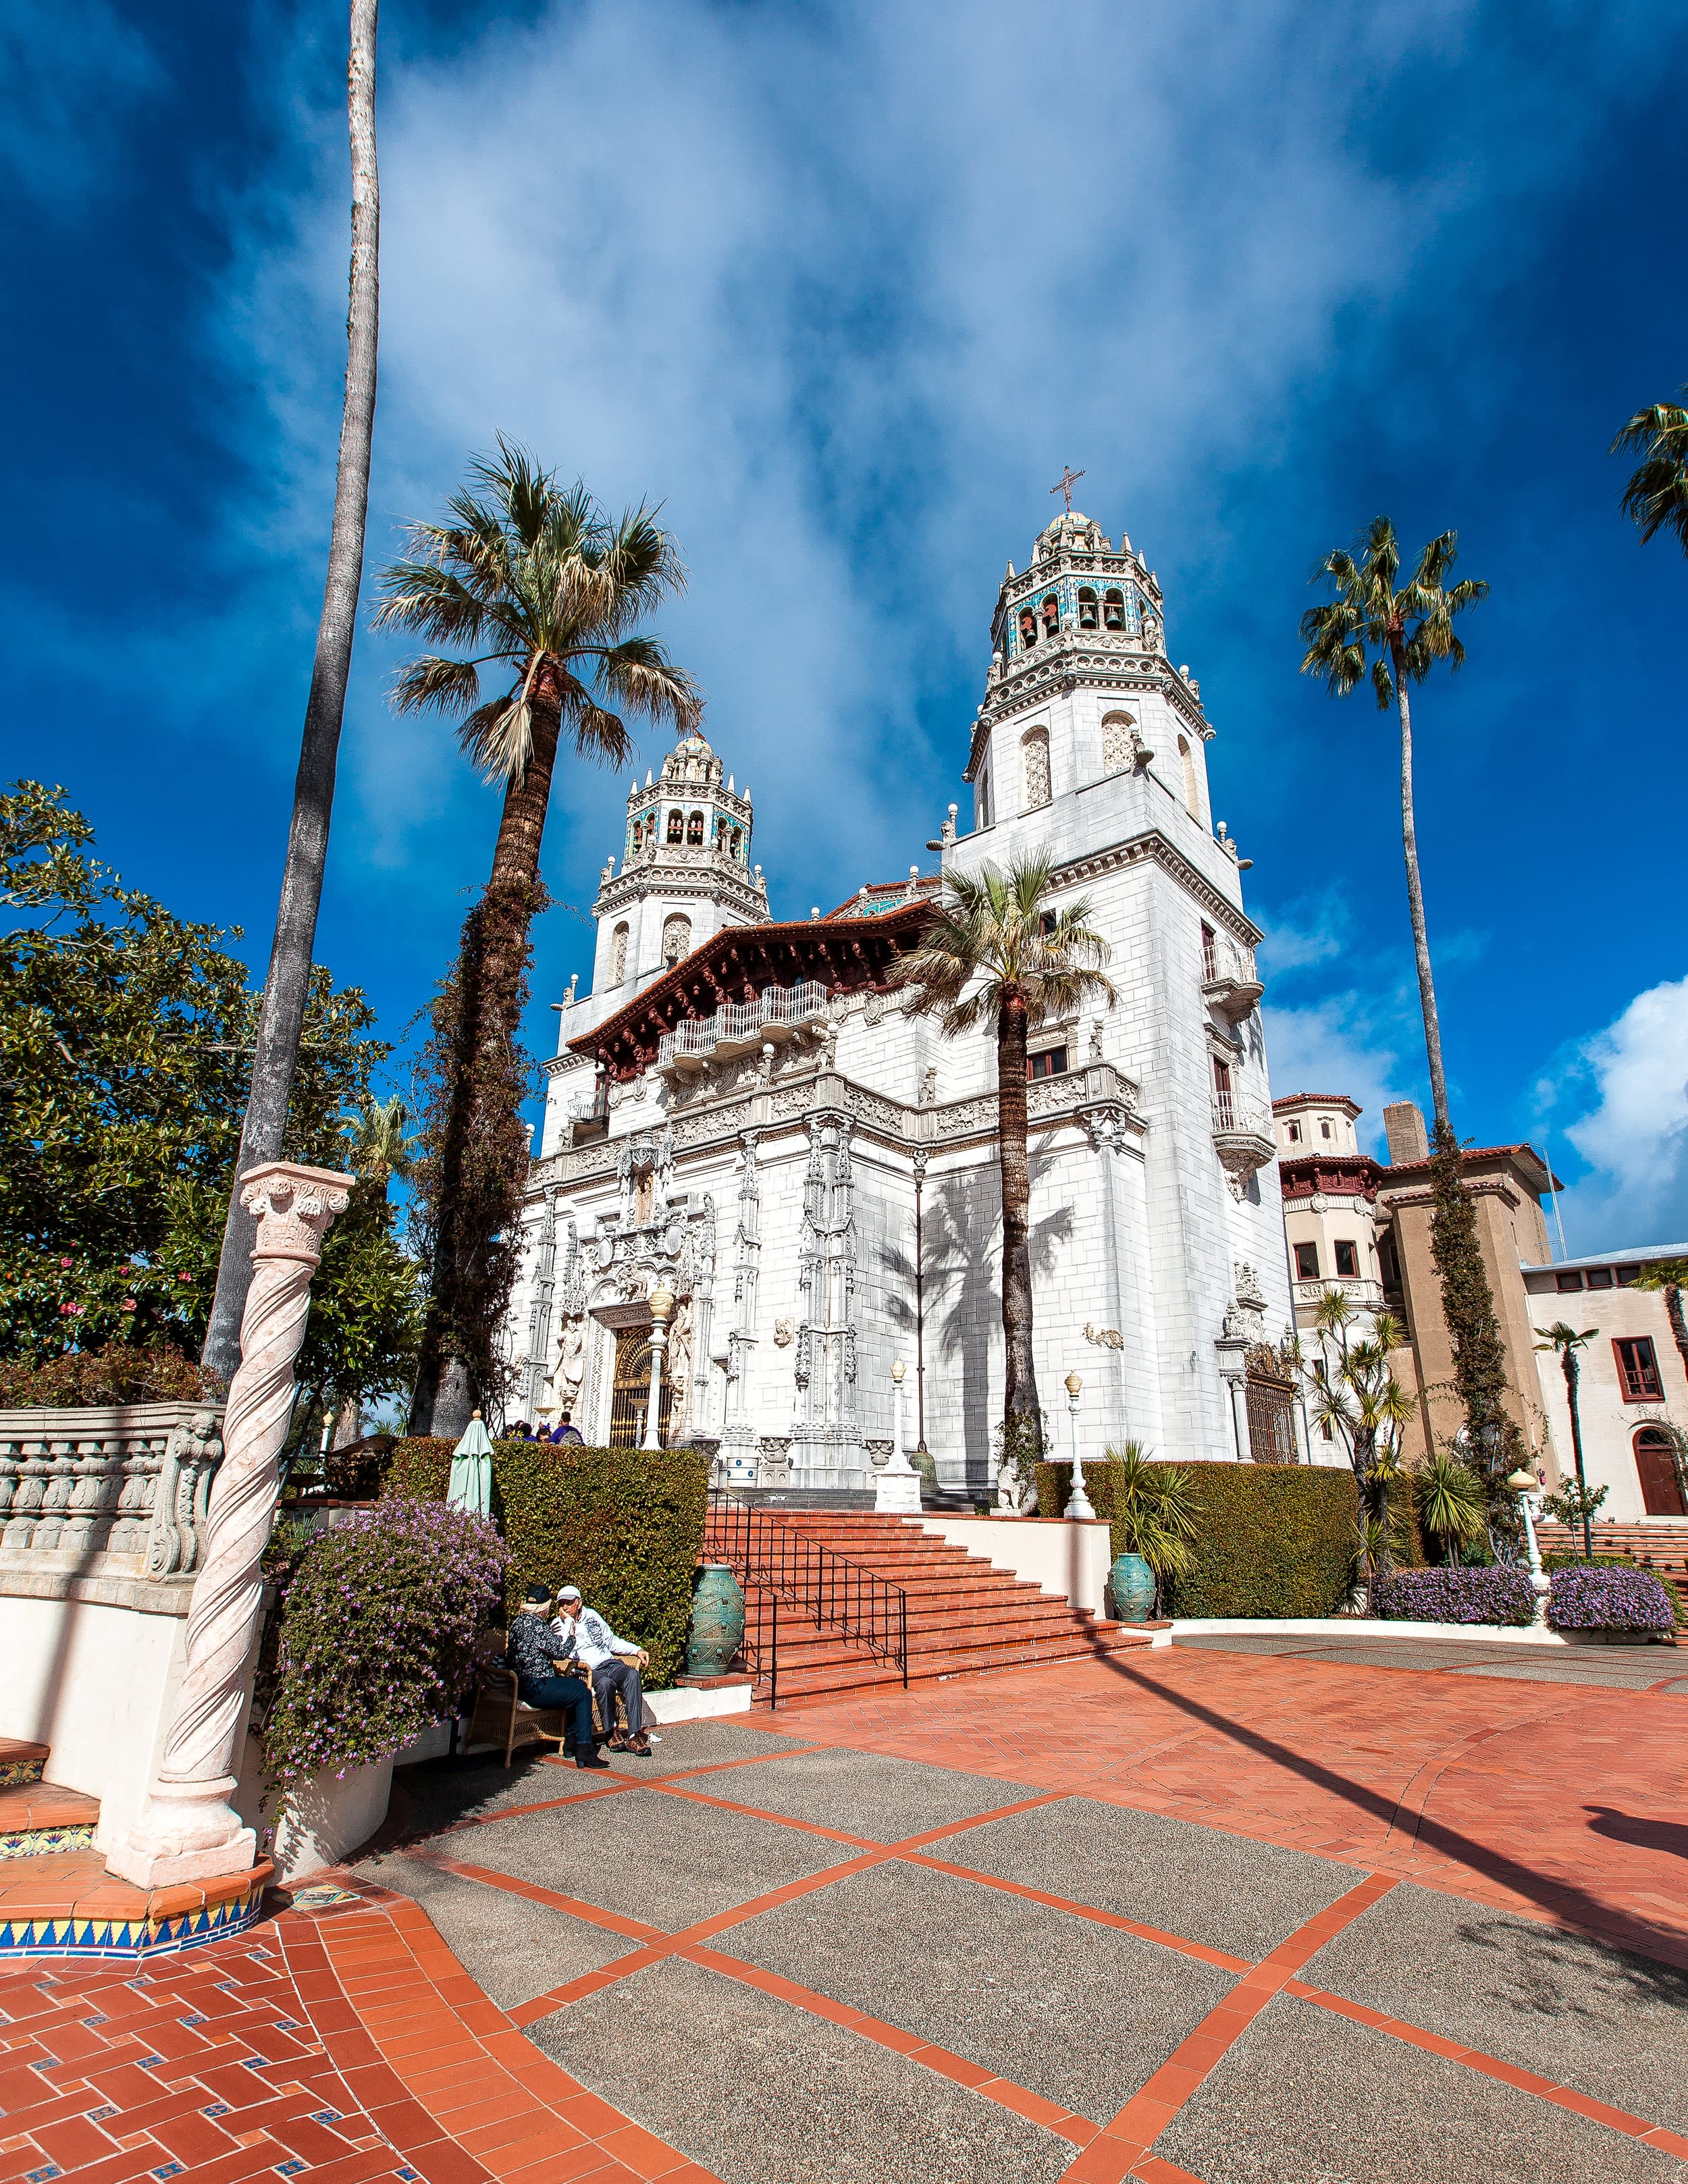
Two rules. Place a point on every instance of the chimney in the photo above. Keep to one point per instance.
(1404, 1125)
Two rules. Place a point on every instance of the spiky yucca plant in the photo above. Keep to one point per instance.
(1353, 1392)
(1452, 1502)
(984, 958)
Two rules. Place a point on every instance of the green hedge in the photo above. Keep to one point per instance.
(1273, 1539)
(625, 1525)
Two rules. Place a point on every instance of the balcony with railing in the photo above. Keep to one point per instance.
(1229, 980)
(778, 1013)
(1243, 1137)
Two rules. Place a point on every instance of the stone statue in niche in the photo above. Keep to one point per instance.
(570, 1367)
(679, 1369)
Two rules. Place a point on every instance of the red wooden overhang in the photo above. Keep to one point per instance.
(844, 954)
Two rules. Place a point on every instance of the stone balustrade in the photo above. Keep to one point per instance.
(742, 1023)
(105, 1499)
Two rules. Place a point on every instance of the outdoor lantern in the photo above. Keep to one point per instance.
(1075, 1386)
(661, 1303)
(1524, 1482)
(897, 1370)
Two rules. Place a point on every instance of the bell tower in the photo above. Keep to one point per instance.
(685, 872)
(1080, 687)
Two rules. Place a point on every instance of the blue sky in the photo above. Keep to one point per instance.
(845, 287)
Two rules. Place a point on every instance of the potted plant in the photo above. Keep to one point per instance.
(1153, 1509)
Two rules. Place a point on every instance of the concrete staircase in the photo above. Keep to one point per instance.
(966, 1617)
(56, 1896)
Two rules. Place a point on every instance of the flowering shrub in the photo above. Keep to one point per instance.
(1601, 1597)
(116, 1372)
(376, 1633)
(1441, 1595)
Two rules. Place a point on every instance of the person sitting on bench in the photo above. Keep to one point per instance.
(581, 1634)
(539, 1663)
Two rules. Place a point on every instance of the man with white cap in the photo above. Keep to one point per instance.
(612, 1664)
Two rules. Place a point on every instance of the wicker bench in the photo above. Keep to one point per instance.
(502, 1716)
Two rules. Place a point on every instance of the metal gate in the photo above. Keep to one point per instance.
(630, 1394)
(1272, 1430)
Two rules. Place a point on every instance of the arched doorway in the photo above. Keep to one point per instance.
(630, 1391)
(1656, 1467)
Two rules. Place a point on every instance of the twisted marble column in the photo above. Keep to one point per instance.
(189, 1829)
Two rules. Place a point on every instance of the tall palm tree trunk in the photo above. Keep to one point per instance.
(486, 1031)
(1021, 1391)
(287, 986)
(1568, 1360)
(1415, 903)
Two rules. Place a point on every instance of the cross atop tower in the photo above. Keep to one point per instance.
(1069, 478)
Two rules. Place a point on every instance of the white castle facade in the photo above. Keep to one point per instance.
(746, 1113)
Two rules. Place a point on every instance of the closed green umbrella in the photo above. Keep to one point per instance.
(471, 1471)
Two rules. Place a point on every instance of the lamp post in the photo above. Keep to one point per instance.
(662, 1302)
(1526, 1485)
(1077, 1501)
(896, 1488)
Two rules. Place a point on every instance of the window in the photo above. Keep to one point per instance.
(1324, 1126)
(1192, 794)
(677, 938)
(677, 826)
(1306, 1263)
(1637, 1370)
(1348, 1262)
(1656, 1467)
(1034, 746)
(1087, 607)
(1295, 1134)
(1210, 955)
(618, 954)
(1051, 1062)
(1050, 611)
(1627, 1276)
(1598, 1277)
(1117, 729)
(1224, 1113)
(1566, 1283)
(1113, 609)
(1391, 1269)
(983, 799)
(1047, 921)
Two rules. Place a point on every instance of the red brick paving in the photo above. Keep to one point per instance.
(354, 2047)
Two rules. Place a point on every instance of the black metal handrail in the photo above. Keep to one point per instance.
(854, 1601)
(759, 1649)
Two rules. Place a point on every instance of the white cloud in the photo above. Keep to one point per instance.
(1635, 1139)
(1335, 1046)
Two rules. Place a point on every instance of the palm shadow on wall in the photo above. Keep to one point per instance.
(962, 1246)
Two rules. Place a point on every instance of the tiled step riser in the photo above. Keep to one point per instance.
(43, 1842)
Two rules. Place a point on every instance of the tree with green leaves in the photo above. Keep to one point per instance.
(1670, 1277)
(1656, 494)
(125, 1034)
(1568, 1342)
(531, 578)
(1353, 1394)
(1392, 636)
(286, 994)
(996, 949)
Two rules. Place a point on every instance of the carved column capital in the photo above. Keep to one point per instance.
(294, 1206)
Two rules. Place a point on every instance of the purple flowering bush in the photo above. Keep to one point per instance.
(378, 1633)
(1605, 1597)
(1441, 1595)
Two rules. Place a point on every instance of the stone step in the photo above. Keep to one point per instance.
(20, 1761)
(38, 1818)
(814, 1679)
(64, 1903)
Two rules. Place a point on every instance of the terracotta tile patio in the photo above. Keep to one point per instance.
(348, 2041)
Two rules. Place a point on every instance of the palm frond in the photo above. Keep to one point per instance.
(638, 674)
(447, 686)
(498, 737)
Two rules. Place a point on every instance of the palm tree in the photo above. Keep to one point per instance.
(1566, 1341)
(377, 1145)
(994, 950)
(533, 577)
(1656, 495)
(1396, 637)
(287, 989)
(1671, 1277)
